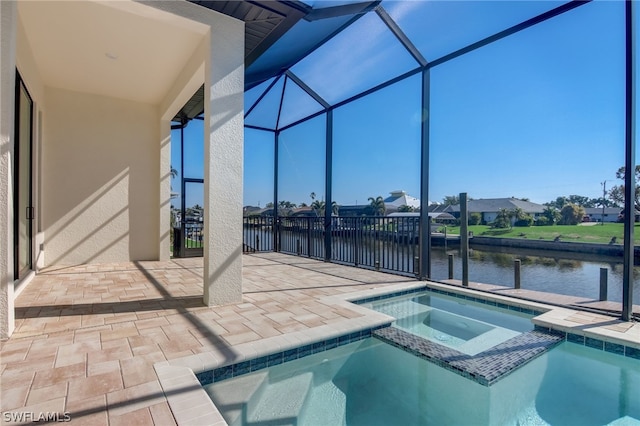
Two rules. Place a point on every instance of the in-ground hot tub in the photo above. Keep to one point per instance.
(465, 325)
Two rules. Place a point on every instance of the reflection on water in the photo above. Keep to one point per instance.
(572, 274)
(575, 274)
(505, 260)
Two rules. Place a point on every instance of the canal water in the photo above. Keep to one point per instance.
(573, 274)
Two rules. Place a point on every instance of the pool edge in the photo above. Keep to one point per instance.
(184, 370)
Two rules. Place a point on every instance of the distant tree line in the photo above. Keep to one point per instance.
(564, 210)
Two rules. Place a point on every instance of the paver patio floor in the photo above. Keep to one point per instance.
(87, 337)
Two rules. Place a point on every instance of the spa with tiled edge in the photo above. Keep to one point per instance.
(359, 339)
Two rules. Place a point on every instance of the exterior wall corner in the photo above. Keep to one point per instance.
(8, 20)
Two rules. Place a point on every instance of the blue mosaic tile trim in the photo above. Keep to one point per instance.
(603, 345)
(486, 367)
(452, 294)
(234, 370)
(388, 296)
(614, 348)
(575, 338)
(632, 352)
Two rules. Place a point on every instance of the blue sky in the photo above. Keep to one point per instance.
(538, 114)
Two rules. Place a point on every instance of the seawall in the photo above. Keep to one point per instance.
(559, 246)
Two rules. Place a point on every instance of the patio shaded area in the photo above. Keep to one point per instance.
(87, 337)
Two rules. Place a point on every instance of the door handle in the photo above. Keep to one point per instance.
(30, 213)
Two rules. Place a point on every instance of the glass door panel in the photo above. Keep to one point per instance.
(23, 207)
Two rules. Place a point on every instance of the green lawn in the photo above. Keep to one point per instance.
(577, 233)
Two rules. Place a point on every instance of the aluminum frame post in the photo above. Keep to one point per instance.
(274, 225)
(328, 207)
(424, 239)
(630, 156)
(464, 238)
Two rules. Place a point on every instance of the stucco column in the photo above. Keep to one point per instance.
(223, 162)
(165, 190)
(8, 18)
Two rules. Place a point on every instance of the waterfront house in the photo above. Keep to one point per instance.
(397, 199)
(607, 215)
(489, 207)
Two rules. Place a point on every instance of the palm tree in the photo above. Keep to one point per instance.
(174, 174)
(552, 214)
(451, 200)
(285, 207)
(376, 206)
(503, 219)
(518, 213)
(318, 207)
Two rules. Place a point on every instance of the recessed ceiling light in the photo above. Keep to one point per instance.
(111, 55)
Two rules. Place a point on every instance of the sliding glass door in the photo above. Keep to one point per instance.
(23, 207)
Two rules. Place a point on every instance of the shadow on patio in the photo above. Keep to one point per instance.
(87, 337)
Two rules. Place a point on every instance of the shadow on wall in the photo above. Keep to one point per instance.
(101, 179)
(231, 293)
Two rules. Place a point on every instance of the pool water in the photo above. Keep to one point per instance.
(372, 383)
(464, 325)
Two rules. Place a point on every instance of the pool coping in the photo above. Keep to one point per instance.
(190, 403)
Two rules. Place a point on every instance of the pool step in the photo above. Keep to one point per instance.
(487, 340)
(282, 402)
(400, 309)
(530, 417)
(625, 421)
(235, 399)
(329, 407)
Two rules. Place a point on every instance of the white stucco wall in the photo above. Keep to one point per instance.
(7, 88)
(223, 171)
(223, 72)
(101, 175)
(164, 195)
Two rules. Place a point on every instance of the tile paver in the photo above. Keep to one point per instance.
(87, 337)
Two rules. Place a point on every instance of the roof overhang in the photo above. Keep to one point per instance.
(266, 22)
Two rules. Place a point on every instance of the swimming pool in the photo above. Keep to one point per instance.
(449, 358)
(468, 326)
(372, 383)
